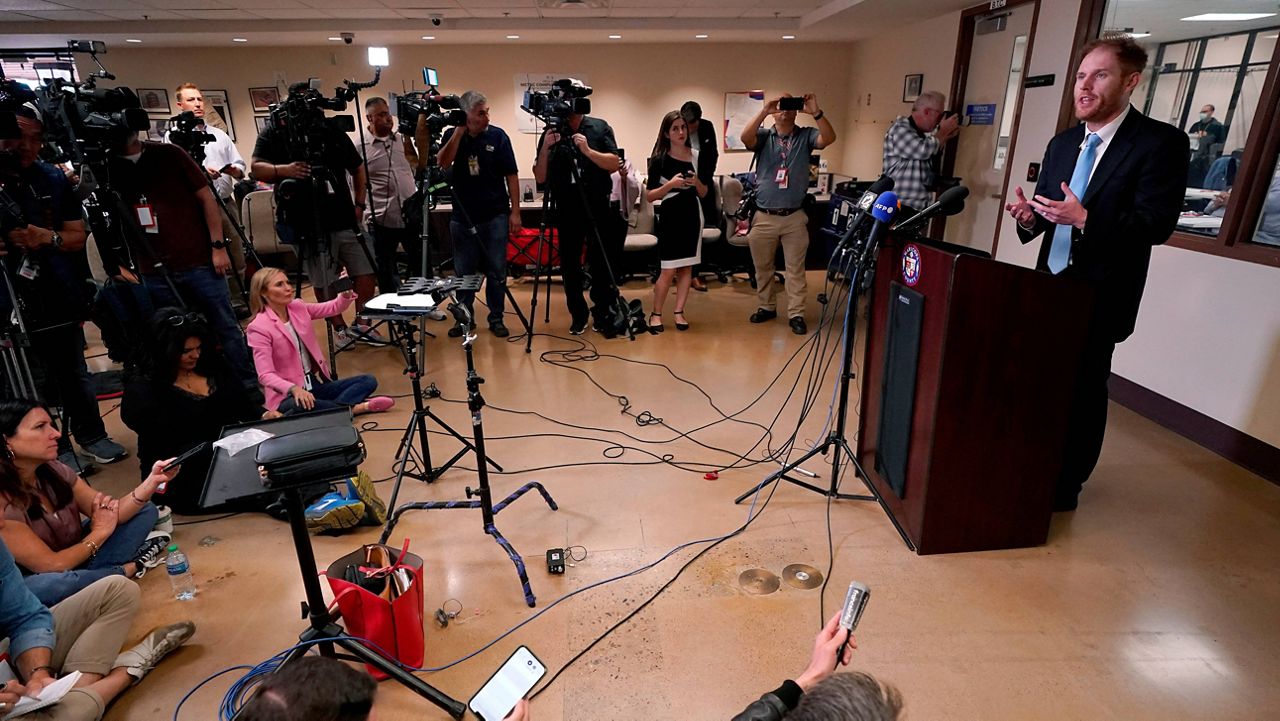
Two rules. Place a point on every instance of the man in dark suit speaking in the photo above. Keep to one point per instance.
(1109, 189)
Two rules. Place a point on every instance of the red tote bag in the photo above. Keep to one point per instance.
(378, 591)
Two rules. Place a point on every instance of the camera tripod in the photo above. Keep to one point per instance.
(483, 494)
(862, 258)
(321, 625)
(565, 152)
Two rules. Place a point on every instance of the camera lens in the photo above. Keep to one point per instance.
(530, 662)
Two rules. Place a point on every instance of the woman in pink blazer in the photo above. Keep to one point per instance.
(291, 367)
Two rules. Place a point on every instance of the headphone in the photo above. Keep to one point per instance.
(443, 616)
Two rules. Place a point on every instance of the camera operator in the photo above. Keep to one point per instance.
(391, 162)
(818, 695)
(223, 164)
(326, 198)
(595, 153)
(486, 204)
(169, 205)
(47, 265)
(910, 145)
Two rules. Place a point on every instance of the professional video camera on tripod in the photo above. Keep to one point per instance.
(433, 112)
(575, 167)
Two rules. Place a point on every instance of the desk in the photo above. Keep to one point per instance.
(1201, 224)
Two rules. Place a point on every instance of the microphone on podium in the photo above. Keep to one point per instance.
(950, 202)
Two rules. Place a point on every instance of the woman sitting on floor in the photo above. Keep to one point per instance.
(294, 374)
(43, 501)
(180, 396)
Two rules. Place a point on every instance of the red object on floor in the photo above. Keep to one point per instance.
(711, 475)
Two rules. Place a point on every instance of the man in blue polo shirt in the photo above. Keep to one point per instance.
(486, 204)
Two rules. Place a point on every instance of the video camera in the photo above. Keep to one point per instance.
(441, 111)
(300, 116)
(84, 123)
(184, 134)
(566, 97)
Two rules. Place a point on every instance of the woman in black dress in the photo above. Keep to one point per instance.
(182, 394)
(673, 180)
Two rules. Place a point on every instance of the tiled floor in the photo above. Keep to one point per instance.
(1156, 600)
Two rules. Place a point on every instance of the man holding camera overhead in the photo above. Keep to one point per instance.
(910, 145)
(319, 210)
(486, 204)
(782, 172)
(586, 143)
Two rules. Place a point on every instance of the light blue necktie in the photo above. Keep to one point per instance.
(1060, 250)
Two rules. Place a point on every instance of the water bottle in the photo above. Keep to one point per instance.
(180, 578)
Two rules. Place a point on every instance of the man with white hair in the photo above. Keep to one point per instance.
(486, 204)
(910, 145)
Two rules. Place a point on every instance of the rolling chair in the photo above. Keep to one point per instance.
(641, 245)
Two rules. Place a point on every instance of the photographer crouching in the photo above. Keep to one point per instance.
(42, 248)
(576, 145)
(307, 157)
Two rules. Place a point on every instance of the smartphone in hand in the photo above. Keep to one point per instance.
(791, 104)
(507, 686)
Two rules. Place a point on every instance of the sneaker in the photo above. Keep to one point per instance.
(366, 333)
(77, 463)
(157, 644)
(343, 338)
(437, 314)
(334, 512)
(152, 551)
(361, 488)
(578, 327)
(104, 451)
(379, 404)
(165, 520)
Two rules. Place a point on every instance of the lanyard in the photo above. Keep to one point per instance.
(784, 145)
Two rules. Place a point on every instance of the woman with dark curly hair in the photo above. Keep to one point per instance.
(179, 396)
(43, 502)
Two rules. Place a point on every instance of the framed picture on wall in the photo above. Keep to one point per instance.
(739, 109)
(157, 130)
(154, 100)
(911, 87)
(262, 98)
(260, 122)
(215, 101)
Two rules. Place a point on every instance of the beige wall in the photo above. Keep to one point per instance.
(875, 85)
(634, 84)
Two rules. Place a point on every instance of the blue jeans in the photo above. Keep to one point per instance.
(486, 250)
(342, 393)
(119, 549)
(206, 291)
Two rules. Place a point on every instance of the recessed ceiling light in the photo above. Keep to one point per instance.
(701, 37)
(1135, 36)
(615, 37)
(335, 38)
(428, 37)
(239, 40)
(513, 37)
(788, 37)
(132, 40)
(1227, 17)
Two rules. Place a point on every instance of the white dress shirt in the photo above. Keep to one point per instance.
(218, 154)
(1105, 134)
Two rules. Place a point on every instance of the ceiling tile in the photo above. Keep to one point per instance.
(289, 13)
(575, 12)
(186, 4)
(20, 5)
(102, 4)
(342, 4)
(708, 12)
(665, 12)
(791, 12)
(218, 14)
(501, 12)
(144, 14)
(362, 13)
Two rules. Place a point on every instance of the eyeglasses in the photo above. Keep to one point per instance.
(180, 319)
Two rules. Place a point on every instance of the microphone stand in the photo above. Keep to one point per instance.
(863, 261)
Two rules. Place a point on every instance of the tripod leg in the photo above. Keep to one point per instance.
(394, 670)
(531, 486)
(529, 598)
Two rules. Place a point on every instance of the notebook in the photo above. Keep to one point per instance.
(49, 695)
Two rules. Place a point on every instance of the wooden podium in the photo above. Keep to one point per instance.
(965, 395)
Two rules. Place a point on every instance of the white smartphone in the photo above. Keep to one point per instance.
(504, 689)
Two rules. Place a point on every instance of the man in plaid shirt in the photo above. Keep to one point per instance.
(911, 143)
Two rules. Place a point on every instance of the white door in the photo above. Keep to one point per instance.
(992, 90)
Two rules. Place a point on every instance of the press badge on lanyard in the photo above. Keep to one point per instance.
(781, 178)
(146, 216)
(473, 165)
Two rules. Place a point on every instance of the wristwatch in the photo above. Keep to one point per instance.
(220, 245)
(818, 115)
(55, 240)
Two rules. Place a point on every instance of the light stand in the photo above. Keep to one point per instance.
(484, 494)
(863, 270)
(473, 236)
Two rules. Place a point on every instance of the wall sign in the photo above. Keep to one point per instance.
(1038, 81)
(981, 114)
